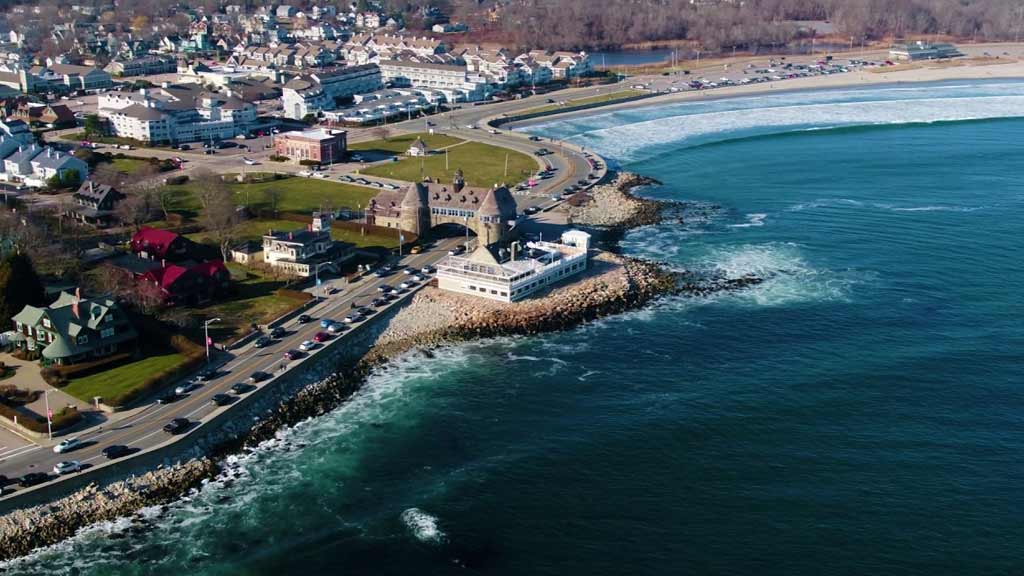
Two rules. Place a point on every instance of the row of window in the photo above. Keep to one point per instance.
(483, 290)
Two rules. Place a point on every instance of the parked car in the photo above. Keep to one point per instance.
(67, 467)
(67, 445)
(335, 327)
(354, 318)
(176, 426)
(242, 388)
(278, 332)
(456, 251)
(321, 337)
(415, 250)
(307, 345)
(263, 342)
(379, 302)
(407, 285)
(293, 355)
(259, 376)
(428, 269)
(222, 399)
(418, 277)
(384, 288)
(116, 451)
(33, 478)
(205, 375)
(326, 322)
(305, 319)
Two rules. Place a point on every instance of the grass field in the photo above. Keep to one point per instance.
(297, 195)
(129, 166)
(117, 381)
(570, 104)
(351, 232)
(256, 301)
(399, 144)
(482, 164)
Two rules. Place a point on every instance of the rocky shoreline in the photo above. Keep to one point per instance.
(613, 284)
(614, 206)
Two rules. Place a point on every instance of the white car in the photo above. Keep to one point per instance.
(249, 161)
(67, 467)
(307, 345)
(186, 388)
(67, 445)
(406, 285)
(305, 173)
(319, 175)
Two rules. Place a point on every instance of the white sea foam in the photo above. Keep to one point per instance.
(424, 527)
(753, 221)
(627, 142)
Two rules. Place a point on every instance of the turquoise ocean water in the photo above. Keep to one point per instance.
(861, 412)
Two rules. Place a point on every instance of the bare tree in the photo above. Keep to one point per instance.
(273, 195)
(219, 217)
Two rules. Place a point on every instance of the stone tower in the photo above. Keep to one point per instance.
(459, 182)
(415, 215)
(491, 227)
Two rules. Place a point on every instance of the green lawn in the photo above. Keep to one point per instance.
(482, 164)
(364, 237)
(129, 165)
(255, 302)
(399, 144)
(570, 104)
(117, 381)
(297, 195)
(346, 232)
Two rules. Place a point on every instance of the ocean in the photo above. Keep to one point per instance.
(860, 412)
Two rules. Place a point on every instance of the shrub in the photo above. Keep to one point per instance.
(278, 158)
(11, 395)
(309, 163)
(62, 419)
(176, 180)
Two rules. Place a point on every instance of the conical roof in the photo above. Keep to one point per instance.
(415, 196)
(489, 207)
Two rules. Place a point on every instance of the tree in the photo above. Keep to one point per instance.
(220, 211)
(20, 286)
(136, 208)
(309, 119)
(92, 125)
(273, 195)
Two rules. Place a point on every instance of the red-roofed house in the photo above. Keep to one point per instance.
(189, 285)
(156, 244)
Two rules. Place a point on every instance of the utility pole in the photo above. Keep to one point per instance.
(206, 329)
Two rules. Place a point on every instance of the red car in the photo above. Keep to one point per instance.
(321, 337)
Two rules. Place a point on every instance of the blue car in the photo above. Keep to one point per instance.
(326, 323)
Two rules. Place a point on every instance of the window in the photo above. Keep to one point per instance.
(46, 323)
(83, 339)
(106, 333)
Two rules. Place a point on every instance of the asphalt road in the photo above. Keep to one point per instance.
(144, 429)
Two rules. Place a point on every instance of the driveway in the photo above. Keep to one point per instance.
(27, 377)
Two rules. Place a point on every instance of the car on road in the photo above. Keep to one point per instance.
(305, 319)
(205, 375)
(222, 399)
(534, 138)
(471, 126)
(67, 467)
(249, 161)
(531, 210)
(456, 251)
(345, 178)
(321, 337)
(354, 318)
(326, 322)
(242, 388)
(493, 131)
(418, 277)
(428, 269)
(293, 354)
(186, 388)
(407, 285)
(116, 451)
(263, 342)
(416, 250)
(67, 445)
(307, 345)
(335, 327)
(176, 426)
(278, 332)
(33, 478)
(259, 376)
(357, 158)
(168, 398)
(379, 302)
(384, 288)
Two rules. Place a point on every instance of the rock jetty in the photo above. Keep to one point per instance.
(614, 205)
(25, 530)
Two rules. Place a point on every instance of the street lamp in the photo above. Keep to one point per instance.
(49, 415)
(206, 329)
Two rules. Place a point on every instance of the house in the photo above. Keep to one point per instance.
(94, 204)
(52, 163)
(52, 115)
(156, 244)
(16, 130)
(418, 148)
(175, 113)
(82, 77)
(921, 50)
(247, 252)
(18, 165)
(452, 79)
(142, 66)
(189, 283)
(74, 329)
(319, 91)
(305, 252)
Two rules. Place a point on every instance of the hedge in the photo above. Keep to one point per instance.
(63, 418)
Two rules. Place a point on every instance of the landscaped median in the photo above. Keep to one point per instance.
(581, 103)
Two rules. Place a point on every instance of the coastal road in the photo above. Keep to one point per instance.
(144, 429)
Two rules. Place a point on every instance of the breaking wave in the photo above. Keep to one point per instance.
(423, 526)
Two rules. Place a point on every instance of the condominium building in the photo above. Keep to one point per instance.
(319, 91)
(453, 80)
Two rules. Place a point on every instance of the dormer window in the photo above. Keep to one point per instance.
(47, 323)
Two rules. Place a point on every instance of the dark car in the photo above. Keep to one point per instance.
(294, 354)
(222, 399)
(263, 342)
(176, 426)
(242, 388)
(4, 481)
(171, 396)
(33, 478)
(206, 375)
(378, 302)
(582, 182)
(116, 451)
(259, 376)
(305, 319)
(278, 332)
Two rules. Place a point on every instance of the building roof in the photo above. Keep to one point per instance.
(69, 317)
(153, 241)
(315, 134)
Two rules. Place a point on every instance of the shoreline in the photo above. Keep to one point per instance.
(860, 79)
(433, 318)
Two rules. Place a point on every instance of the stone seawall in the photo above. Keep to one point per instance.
(613, 205)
